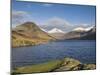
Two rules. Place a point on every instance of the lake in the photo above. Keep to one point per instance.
(83, 50)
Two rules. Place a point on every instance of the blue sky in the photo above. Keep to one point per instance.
(41, 13)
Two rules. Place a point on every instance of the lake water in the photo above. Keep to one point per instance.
(83, 50)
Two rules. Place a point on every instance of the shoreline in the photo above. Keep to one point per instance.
(65, 64)
(36, 44)
(45, 43)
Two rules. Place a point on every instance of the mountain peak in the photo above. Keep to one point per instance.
(56, 30)
(28, 23)
(27, 26)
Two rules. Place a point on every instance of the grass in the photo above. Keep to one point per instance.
(44, 67)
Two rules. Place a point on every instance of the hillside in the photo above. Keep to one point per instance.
(58, 36)
(81, 34)
(29, 34)
(72, 35)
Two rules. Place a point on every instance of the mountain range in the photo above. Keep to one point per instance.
(77, 33)
(29, 33)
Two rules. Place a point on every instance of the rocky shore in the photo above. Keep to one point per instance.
(70, 64)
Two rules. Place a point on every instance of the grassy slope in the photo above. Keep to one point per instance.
(45, 67)
(18, 40)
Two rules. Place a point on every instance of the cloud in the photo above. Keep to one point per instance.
(56, 22)
(19, 17)
(47, 5)
(18, 14)
(84, 25)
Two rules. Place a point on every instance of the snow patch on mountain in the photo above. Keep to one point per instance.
(82, 29)
(56, 30)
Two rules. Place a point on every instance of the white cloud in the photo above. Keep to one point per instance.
(47, 5)
(84, 25)
(18, 12)
(19, 17)
(56, 22)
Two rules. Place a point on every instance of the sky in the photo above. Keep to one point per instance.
(48, 16)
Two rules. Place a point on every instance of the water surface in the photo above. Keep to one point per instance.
(83, 50)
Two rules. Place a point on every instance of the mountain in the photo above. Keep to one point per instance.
(56, 33)
(81, 33)
(72, 35)
(91, 34)
(89, 28)
(29, 34)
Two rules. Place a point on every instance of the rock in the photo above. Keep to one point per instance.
(89, 66)
(69, 64)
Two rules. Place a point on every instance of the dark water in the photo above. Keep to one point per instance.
(83, 50)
